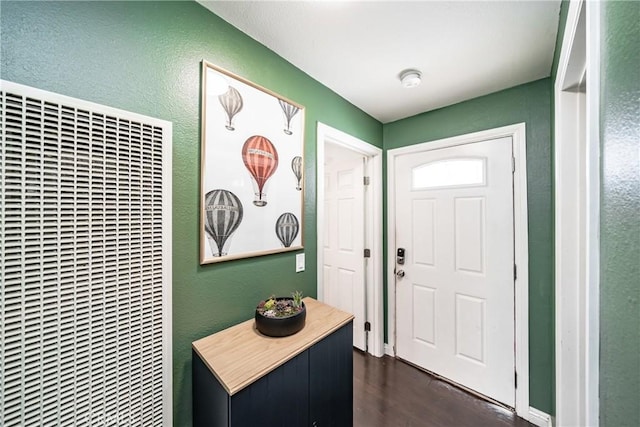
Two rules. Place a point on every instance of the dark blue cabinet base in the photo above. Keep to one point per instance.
(315, 388)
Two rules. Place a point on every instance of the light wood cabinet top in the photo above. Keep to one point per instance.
(240, 355)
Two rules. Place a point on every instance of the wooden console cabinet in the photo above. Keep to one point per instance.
(243, 378)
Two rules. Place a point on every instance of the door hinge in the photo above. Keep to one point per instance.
(367, 326)
(516, 379)
(515, 272)
(513, 164)
(366, 180)
(367, 253)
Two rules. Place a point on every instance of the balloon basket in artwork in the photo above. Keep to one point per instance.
(260, 199)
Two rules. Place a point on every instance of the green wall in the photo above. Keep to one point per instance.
(145, 57)
(620, 215)
(529, 103)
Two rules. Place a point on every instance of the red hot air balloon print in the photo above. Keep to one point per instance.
(296, 167)
(289, 111)
(231, 102)
(261, 160)
(287, 227)
(222, 216)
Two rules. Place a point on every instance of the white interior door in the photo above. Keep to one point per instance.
(344, 267)
(455, 303)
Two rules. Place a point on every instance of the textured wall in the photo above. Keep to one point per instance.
(145, 57)
(620, 215)
(529, 103)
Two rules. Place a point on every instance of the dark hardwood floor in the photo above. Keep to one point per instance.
(390, 393)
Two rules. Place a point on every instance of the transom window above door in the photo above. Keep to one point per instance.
(458, 172)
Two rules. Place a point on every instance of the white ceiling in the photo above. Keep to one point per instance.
(464, 49)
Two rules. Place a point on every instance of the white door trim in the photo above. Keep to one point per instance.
(577, 247)
(373, 200)
(521, 253)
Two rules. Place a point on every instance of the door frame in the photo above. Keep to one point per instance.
(521, 249)
(374, 303)
(577, 246)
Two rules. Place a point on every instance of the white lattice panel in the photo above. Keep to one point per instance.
(85, 263)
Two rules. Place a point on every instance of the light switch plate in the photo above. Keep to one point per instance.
(299, 263)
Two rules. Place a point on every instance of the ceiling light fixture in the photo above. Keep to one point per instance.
(410, 78)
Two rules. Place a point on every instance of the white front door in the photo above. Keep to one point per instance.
(344, 264)
(455, 303)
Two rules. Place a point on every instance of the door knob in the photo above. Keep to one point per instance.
(400, 274)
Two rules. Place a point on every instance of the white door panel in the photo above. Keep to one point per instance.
(455, 304)
(344, 268)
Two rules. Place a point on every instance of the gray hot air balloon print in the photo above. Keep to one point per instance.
(222, 215)
(287, 227)
(289, 111)
(296, 167)
(231, 101)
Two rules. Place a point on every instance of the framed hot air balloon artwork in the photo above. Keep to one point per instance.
(252, 173)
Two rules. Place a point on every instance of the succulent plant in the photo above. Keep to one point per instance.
(270, 303)
(297, 298)
(281, 307)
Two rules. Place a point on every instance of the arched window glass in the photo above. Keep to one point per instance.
(449, 173)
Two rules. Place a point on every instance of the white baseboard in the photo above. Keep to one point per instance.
(388, 350)
(539, 418)
(377, 349)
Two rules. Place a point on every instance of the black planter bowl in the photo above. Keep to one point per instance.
(281, 326)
